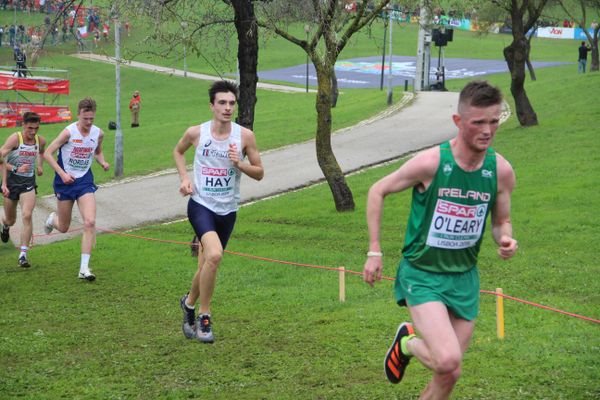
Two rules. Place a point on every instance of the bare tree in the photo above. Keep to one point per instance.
(332, 27)
(582, 22)
(523, 15)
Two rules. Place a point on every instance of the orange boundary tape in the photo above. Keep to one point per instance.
(349, 271)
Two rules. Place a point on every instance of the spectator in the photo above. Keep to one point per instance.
(135, 104)
(583, 50)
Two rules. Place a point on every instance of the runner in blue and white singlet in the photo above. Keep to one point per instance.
(216, 180)
(77, 155)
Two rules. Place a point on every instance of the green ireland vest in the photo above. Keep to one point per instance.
(446, 222)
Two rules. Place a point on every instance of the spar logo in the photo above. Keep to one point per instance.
(457, 210)
(207, 171)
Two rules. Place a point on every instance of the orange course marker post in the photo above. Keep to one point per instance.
(499, 313)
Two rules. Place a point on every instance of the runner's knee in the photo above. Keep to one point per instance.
(447, 363)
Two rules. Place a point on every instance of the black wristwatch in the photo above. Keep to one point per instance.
(14, 169)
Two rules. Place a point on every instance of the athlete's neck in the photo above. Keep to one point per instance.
(82, 129)
(220, 129)
(467, 158)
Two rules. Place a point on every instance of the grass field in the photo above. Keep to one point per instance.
(281, 332)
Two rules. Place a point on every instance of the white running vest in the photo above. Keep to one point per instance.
(216, 180)
(24, 154)
(77, 155)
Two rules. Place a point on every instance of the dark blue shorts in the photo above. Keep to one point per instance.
(74, 191)
(204, 220)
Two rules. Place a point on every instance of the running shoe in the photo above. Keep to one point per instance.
(49, 225)
(189, 319)
(395, 361)
(87, 275)
(23, 263)
(5, 235)
(204, 329)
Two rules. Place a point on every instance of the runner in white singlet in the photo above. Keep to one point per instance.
(220, 148)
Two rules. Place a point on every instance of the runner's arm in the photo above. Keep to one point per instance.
(12, 142)
(99, 154)
(419, 170)
(254, 168)
(61, 139)
(189, 138)
(501, 224)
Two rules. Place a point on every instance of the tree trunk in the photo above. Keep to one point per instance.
(530, 68)
(515, 55)
(342, 195)
(247, 32)
(334, 89)
(594, 66)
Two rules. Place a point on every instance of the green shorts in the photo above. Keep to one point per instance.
(458, 291)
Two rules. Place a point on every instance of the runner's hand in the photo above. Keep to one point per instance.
(508, 247)
(40, 170)
(5, 191)
(105, 166)
(67, 179)
(186, 187)
(373, 269)
(233, 154)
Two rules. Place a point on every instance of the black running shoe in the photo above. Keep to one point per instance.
(395, 361)
(204, 329)
(23, 263)
(5, 235)
(189, 319)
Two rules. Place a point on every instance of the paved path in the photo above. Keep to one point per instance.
(155, 198)
(179, 72)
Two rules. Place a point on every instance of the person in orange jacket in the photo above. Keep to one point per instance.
(135, 104)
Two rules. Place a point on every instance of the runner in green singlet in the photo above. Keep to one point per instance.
(455, 186)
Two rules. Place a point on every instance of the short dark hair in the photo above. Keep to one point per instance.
(87, 104)
(223, 86)
(30, 117)
(479, 94)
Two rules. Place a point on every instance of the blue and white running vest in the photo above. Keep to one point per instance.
(77, 155)
(24, 154)
(216, 180)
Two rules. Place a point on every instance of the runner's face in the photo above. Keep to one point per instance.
(86, 119)
(478, 125)
(30, 129)
(223, 106)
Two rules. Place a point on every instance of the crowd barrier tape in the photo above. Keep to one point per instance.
(343, 271)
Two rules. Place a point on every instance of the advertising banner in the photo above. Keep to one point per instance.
(11, 112)
(8, 82)
(556, 33)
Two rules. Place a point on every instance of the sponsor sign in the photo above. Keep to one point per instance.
(556, 33)
(60, 86)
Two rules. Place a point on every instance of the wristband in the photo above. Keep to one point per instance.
(374, 254)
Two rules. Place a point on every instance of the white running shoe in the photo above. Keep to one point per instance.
(87, 275)
(49, 225)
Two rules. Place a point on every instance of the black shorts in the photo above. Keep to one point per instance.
(204, 220)
(17, 189)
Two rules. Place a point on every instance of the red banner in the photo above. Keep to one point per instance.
(10, 113)
(59, 86)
